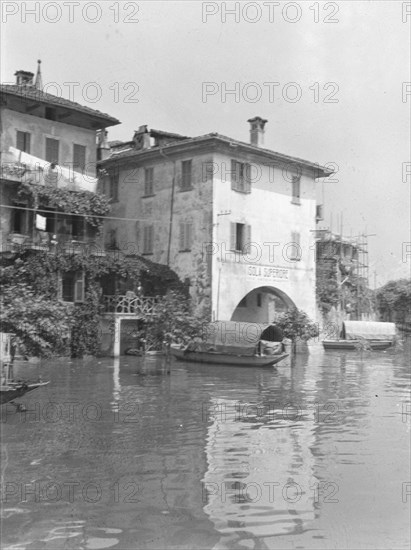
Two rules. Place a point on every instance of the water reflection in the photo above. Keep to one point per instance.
(210, 457)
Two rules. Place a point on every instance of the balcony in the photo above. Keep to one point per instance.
(50, 242)
(21, 167)
(129, 304)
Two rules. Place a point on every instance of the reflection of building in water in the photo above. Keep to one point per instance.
(260, 476)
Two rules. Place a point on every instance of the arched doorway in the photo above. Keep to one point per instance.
(262, 305)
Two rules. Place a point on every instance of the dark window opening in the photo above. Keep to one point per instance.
(296, 184)
(72, 286)
(18, 221)
(259, 300)
(240, 176)
(23, 141)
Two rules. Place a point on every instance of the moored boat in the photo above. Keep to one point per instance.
(13, 390)
(220, 358)
(357, 335)
(234, 343)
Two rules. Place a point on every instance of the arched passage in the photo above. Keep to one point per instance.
(262, 305)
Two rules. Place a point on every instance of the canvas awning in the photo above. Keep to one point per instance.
(368, 330)
(38, 171)
(238, 337)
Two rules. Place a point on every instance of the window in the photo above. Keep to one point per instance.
(259, 300)
(240, 176)
(296, 183)
(294, 248)
(79, 158)
(23, 141)
(186, 182)
(111, 241)
(240, 236)
(18, 221)
(113, 189)
(148, 239)
(185, 241)
(148, 181)
(52, 150)
(71, 286)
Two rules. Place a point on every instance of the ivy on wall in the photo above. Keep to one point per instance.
(93, 206)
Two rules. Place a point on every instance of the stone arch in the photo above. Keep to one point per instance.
(262, 305)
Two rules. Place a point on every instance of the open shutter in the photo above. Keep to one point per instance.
(189, 233)
(234, 175)
(181, 237)
(248, 235)
(247, 178)
(233, 236)
(79, 287)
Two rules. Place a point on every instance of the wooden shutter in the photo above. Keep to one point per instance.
(234, 174)
(233, 236)
(181, 237)
(247, 237)
(79, 286)
(79, 157)
(247, 178)
(148, 181)
(23, 141)
(186, 174)
(52, 150)
(296, 187)
(189, 231)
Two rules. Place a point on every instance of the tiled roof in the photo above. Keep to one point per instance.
(223, 139)
(32, 93)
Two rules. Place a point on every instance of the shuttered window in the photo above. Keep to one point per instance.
(79, 158)
(240, 176)
(294, 249)
(240, 237)
(149, 181)
(148, 239)
(52, 150)
(23, 141)
(185, 240)
(186, 182)
(71, 286)
(296, 189)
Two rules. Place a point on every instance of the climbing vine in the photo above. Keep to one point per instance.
(93, 206)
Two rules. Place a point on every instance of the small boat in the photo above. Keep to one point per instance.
(234, 343)
(12, 390)
(220, 358)
(357, 335)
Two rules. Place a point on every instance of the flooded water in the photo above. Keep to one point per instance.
(122, 455)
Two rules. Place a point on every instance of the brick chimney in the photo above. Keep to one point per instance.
(24, 78)
(257, 131)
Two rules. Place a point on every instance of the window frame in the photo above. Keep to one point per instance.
(84, 150)
(114, 185)
(148, 239)
(26, 138)
(186, 176)
(149, 182)
(57, 141)
(296, 239)
(186, 236)
(245, 237)
(78, 286)
(240, 176)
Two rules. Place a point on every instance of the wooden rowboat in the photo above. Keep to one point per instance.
(13, 390)
(228, 359)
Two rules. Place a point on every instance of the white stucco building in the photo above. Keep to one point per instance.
(233, 219)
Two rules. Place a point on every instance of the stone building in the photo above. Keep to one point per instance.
(233, 219)
(46, 140)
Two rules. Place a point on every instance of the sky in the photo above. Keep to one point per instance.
(330, 78)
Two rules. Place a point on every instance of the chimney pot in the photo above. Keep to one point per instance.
(257, 125)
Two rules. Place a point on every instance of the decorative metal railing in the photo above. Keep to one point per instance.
(129, 304)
